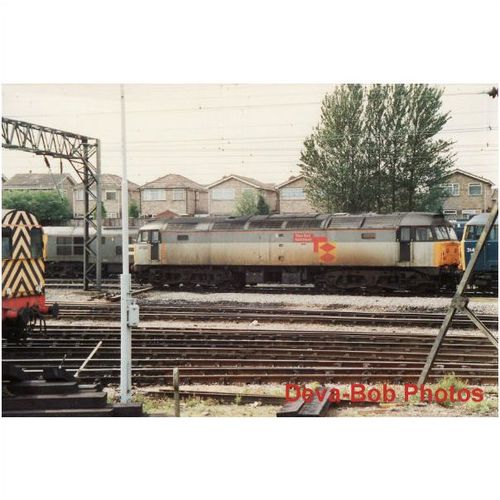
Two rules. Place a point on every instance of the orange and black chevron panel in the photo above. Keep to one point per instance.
(22, 272)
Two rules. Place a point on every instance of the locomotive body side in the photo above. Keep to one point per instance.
(303, 249)
(65, 250)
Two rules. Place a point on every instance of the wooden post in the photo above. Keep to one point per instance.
(176, 392)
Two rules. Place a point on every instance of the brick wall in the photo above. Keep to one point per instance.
(295, 205)
(190, 205)
(112, 207)
(464, 201)
(228, 207)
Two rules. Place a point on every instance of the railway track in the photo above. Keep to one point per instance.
(114, 283)
(214, 312)
(229, 356)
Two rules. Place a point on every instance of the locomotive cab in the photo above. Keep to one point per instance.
(427, 241)
(23, 273)
(485, 274)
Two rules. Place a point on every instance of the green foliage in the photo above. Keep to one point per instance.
(450, 381)
(103, 210)
(246, 204)
(48, 206)
(375, 150)
(133, 209)
(251, 203)
(262, 206)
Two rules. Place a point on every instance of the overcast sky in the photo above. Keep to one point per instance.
(207, 131)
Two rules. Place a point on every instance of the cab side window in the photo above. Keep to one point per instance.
(423, 234)
(441, 233)
(6, 243)
(36, 245)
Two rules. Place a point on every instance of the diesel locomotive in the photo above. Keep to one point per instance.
(65, 251)
(485, 276)
(23, 274)
(399, 251)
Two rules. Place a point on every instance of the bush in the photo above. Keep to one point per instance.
(47, 206)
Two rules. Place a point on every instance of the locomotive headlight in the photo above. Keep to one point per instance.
(9, 291)
(38, 288)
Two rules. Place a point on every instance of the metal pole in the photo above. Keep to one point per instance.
(98, 255)
(86, 222)
(126, 331)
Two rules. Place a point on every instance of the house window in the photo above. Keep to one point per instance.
(293, 193)
(110, 195)
(223, 194)
(449, 212)
(112, 215)
(452, 189)
(178, 194)
(154, 194)
(475, 189)
(79, 194)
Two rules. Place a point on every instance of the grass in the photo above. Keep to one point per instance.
(446, 383)
(485, 407)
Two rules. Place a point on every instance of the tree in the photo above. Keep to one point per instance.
(262, 206)
(48, 206)
(375, 149)
(103, 211)
(246, 204)
(133, 209)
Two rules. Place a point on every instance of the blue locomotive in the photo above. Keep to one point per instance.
(485, 276)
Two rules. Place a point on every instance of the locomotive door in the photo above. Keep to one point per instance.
(404, 244)
(155, 245)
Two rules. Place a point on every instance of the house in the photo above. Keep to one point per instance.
(173, 192)
(224, 194)
(467, 194)
(60, 183)
(292, 197)
(111, 196)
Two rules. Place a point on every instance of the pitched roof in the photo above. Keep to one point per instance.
(289, 180)
(247, 180)
(468, 174)
(37, 181)
(115, 181)
(166, 214)
(173, 181)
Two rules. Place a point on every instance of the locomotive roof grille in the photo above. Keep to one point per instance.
(303, 224)
(230, 224)
(348, 221)
(266, 224)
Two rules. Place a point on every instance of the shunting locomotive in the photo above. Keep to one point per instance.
(23, 274)
(372, 252)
